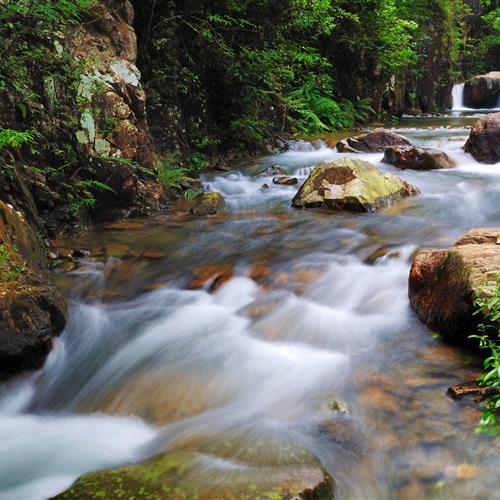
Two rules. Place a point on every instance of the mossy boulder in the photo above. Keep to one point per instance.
(186, 475)
(417, 158)
(443, 283)
(350, 184)
(208, 203)
(372, 142)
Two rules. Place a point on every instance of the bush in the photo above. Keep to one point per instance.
(489, 337)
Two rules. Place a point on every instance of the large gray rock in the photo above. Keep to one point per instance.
(484, 140)
(350, 184)
(482, 91)
(417, 158)
(372, 142)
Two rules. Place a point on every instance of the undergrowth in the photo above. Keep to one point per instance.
(488, 335)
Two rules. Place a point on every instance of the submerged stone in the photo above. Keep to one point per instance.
(350, 184)
(186, 475)
(208, 203)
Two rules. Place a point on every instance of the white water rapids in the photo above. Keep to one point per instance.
(175, 368)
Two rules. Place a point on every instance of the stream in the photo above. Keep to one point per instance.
(266, 327)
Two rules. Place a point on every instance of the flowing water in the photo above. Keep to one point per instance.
(264, 327)
(457, 99)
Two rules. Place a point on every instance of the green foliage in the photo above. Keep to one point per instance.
(170, 173)
(9, 270)
(489, 340)
(14, 138)
(85, 190)
(251, 70)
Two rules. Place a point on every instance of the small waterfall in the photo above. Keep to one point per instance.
(457, 97)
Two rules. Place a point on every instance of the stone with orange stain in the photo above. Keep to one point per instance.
(375, 398)
(215, 275)
(259, 272)
(306, 275)
(467, 471)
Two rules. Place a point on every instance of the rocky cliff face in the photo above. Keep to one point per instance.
(113, 121)
(89, 157)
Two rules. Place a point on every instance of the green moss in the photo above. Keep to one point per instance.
(10, 269)
(180, 476)
(350, 184)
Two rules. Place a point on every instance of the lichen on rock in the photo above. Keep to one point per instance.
(350, 184)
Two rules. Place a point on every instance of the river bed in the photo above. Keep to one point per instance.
(264, 326)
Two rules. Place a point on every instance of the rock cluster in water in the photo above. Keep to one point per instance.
(350, 184)
(444, 283)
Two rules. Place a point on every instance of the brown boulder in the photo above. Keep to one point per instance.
(31, 310)
(30, 315)
(373, 142)
(285, 180)
(273, 170)
(444, 283)
(484, 140)
(417, 158)
(482, 91)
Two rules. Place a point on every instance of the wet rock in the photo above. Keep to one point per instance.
(484, 140)
(118, 250)
(191, 183)
(31, 310)
(186, 475)
(285, 180)
(211, 276)
(372, 142)
(264, 186)
(469, 389)
(348, 184)
(80, 253)
(273, 170)
(482, 91)
(30, 315)
(417, 158)
(444, 283)
(208, 203)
